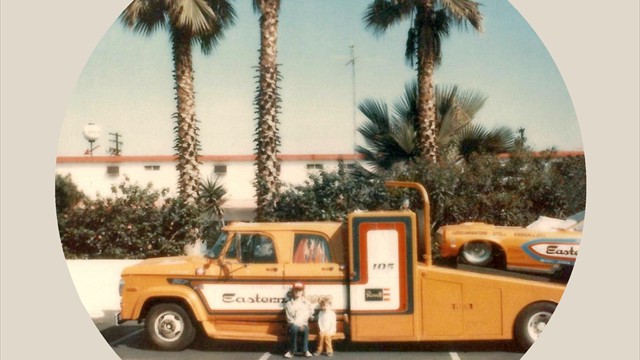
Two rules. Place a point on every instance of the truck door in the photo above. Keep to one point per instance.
(253, 257)
(250, 294)
(382, 263)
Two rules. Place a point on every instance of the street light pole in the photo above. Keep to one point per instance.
(91, 132)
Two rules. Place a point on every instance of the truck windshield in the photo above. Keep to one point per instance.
(217, 247)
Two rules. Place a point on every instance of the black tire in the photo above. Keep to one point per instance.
(563, 274)
(531, 322)
(477, 253)
(169, 327)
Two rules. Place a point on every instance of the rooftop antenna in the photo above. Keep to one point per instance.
(352, 62)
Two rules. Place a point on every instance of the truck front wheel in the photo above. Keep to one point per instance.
(530, 323)
(169, 327)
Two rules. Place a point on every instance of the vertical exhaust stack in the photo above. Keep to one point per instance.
(426, 215)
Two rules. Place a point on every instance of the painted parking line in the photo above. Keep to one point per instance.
(265, 356)
(122, 339)
(454, 356)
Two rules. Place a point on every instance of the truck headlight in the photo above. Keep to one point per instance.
(121, 287)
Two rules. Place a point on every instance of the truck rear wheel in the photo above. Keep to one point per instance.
(169, 327)
(531, 322)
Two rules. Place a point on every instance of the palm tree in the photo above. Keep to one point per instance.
(431, 23)
(392, 138)
(189, 22)
(267, 140)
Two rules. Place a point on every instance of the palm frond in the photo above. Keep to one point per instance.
(224, 11)
(191, 16)
(464, 12)
(376, 112)
(411, 47)
(380, 15)
(388, 140)
(475, 139)
(144, 17)
(224, 17)
(456, 109)
(438, 32)
(404, 135)
(500, 140)
(406, 106)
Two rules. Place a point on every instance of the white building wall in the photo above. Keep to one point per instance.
(91, 177)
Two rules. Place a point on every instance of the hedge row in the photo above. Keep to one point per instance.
(140, 222)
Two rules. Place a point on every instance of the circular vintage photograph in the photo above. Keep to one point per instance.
(266, 178)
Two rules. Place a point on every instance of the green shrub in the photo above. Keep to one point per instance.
(134, 222)
(137, 222)
(329, 196)
(512, 191)
(67, 193)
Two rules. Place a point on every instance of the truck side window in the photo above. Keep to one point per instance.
(254, 248)
(310, 248)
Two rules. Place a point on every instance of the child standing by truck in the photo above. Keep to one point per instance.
(327, 326)
(298, 311)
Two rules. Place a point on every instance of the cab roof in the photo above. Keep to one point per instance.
(321, 226)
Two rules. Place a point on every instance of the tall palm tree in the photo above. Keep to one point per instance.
(267, 182)
(391, 138)
(189, 22)
(431, 23)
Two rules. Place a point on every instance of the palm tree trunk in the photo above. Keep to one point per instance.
(186, 142)
(267, 172)
(427, 133)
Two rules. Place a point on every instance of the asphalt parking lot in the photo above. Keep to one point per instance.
(129, 343)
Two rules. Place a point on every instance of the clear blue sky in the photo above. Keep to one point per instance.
(127, 86)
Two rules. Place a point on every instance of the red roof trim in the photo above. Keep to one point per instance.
(204, 158)
(249, 158)
(554, 154)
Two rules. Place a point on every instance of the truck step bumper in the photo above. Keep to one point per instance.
(118, 319)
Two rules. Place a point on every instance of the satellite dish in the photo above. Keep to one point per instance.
(91, 132)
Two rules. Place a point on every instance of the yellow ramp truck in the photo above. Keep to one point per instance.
(375, 268)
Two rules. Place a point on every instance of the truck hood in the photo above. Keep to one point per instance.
(174, 265)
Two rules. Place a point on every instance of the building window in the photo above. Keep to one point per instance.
(314, 166)
(152, 167)
(113, 170)
(220, 169)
